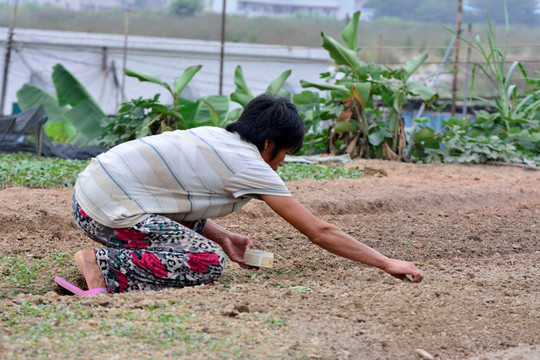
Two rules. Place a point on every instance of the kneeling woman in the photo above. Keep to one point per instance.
(149, 202)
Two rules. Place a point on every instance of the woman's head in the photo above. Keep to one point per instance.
(270, 118)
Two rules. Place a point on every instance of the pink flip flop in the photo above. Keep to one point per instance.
(78, 291)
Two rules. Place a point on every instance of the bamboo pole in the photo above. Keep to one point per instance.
(126, 30)
(8, 57)
(467, 75)
(379, 52)
(222, 49)
(456, 59)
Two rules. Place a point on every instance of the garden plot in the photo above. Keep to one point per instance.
(473, 230)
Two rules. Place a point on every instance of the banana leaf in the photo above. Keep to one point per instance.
(424, 92)
(85, 114)
(328, 87)
(57, 128)
(414, 63)
(276, 85)
(350, 32)
(242, 94)
(209, 110)
(306, 97)
(181, 82)
(29, 96)
(340, 54)
(145, 77)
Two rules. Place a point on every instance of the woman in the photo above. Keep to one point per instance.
(149, 201)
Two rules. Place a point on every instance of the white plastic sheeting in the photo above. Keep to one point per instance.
(97, 59)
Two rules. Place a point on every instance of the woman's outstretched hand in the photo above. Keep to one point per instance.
(401, 269)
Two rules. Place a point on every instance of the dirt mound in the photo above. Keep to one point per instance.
(474, 230)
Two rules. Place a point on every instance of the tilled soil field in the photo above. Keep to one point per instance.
(473, 230)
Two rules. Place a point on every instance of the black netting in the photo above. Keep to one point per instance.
(23, 132)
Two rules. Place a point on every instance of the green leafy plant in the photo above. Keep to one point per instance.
(141, 117)
(23, 272)
(313, 111)
(24, 169)
(369, 99)
(271, 321)
(242, 94)
(297, 171)
(466, 142)
(73, 114)
(147, 116)
(169, 117)
(511, 133)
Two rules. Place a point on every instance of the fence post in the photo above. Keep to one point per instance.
(467, 74)
(456, 59)
(8, 57)
(126, 30)
(222, 48)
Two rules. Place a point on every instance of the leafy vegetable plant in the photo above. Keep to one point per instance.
(511, 133)
(366, 100)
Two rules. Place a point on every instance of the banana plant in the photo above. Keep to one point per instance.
(371, 98)
(516, 119)
(169, 117)
(73, 114)
(242, 95)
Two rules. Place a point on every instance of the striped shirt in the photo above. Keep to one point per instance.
(189, 175)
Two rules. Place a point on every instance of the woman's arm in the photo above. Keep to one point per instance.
(331, 238)
(234, 245)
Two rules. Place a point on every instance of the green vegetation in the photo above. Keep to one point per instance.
(361, 101)
(167, 329)
(298, 171)
(141, 117)
(300, 31)
(74, 115)
(185, 8)
(511, 133)
(26, 170)
(368, 100)
(271, 321)
(22, 272)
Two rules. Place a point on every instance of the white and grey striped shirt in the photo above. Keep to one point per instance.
(204, 172)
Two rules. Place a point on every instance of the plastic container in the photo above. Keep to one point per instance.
(259, 258)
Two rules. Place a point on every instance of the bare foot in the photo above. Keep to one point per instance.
(87, 265)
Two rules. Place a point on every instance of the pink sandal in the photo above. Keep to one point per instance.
(78, 291)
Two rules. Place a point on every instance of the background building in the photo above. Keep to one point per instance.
(94, 5)
(333, 8)
(340, 9)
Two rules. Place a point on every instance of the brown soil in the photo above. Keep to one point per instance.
(473, 230)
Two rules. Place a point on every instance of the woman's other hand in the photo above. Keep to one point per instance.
(234, 245)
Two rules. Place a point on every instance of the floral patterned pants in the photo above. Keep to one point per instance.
(153, 254)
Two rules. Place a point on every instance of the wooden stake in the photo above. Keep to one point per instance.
(8, 57)
(467, 75)
(126, 30)
(222, 49)
(456, 58)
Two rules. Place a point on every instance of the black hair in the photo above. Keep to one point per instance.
(270, 117)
